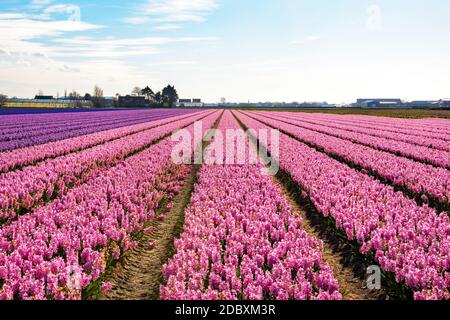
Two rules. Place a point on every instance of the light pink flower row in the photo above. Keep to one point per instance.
(408, 129)
(49, 252)
(25, 121)
(19, 133)
(27, 156)
(408, 240)
(21, 190)
(417, 177)
(428, 142)
(436, 157)
(66, 130)
(435, 126)
(242, 240)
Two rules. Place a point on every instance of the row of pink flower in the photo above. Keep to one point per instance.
(354, 122)
(432, 124)
(419, 153)
(31, 123)
(23, 189)
(24, 121)
(242, 240)
(409, 240)
(426, 125)
(32, 155)
(442, 122)
(420, 141)
(48, 119)
(36, 130)
(417, 177)
(65, 131)
(48, 253)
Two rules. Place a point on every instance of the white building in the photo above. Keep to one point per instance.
(190, 103)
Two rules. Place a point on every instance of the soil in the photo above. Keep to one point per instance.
(349, 269)
(139, 275)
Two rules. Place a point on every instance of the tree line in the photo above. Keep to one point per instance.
(167, 97)
(3, 99)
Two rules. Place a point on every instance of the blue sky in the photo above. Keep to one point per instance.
(257, 50)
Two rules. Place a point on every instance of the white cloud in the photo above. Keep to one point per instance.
(310, 38)
(313, 38)
(127, 42)
(19, 33)
(113, 48)
(174, 11)
(374, 17)
(41, 2)
(65, 8)
(180, 10)
(168, 27)
(38, 42)
(7, 16)
(137, 20)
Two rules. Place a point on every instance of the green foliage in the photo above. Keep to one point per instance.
(3, 99)
(170, 94)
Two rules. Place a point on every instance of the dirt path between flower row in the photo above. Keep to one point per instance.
(139, 275)
(349, 269)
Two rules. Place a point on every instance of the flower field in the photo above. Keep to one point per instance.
(83, 194)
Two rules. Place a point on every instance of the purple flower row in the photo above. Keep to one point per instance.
(417, 177)
(408, 240)
(436, 157)
(59, 249)
(33, 122)
(435, 126)
(31, 155)
(409, 129)
(412, 139)
(26, 121)
(242, 240)
(67, 130)
(40, 129)
(23, 189)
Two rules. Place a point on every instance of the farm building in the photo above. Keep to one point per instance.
(378, 103)
(444, 103)
(190, 103)
(132, 101)
(43, 98)
(47, 103)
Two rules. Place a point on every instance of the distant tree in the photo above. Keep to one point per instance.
(165, 101)
(136, 91)
(158, 97)
(97, 97)
(3, 99)
(170, 95)
(74, 95)
(115, 101)
(98, 92)
(148, 93)
(87, 97)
